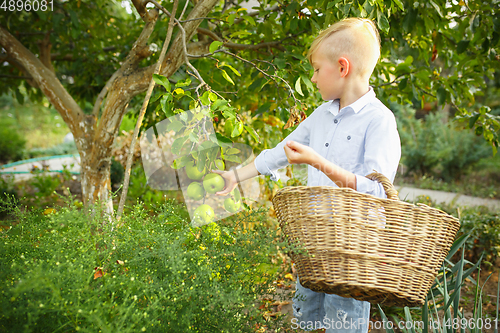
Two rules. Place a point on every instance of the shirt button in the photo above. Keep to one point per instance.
(348, 137)
(336, 121)
(327, 144)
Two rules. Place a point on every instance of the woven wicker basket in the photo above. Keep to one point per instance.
(356, 245)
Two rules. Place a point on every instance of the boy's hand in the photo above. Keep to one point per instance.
(229, 178)
(298, 153)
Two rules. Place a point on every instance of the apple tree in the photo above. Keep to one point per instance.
(94, 60)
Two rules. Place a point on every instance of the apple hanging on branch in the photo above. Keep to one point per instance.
(195, 191)
(202, 215)
(192, 171)
(213, 183)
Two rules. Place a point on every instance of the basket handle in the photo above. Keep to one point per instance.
(389, 188)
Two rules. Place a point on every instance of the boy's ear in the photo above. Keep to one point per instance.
(344, 66)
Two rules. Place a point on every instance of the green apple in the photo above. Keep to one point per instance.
(213, 183)
(236, 194)
(231, 206)
(195, 191)
(193, 172)
(202, 215)
(219, 164)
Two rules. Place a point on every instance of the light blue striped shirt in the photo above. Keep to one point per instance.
(359, 138)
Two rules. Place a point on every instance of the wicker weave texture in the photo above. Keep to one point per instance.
(357, 245)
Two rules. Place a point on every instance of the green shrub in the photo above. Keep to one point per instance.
(437, 148)
(484, 229)
(7, 190)
(12, 144)
(70, 271)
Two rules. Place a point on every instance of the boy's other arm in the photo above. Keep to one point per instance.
(300, 154)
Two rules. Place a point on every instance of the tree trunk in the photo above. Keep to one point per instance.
(94, 137)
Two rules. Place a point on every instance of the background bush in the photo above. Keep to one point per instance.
(69, 271)
(12, 144)
(484, 229)
(435, 147)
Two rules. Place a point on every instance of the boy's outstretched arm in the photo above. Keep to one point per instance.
(300, 154)
(233, 177)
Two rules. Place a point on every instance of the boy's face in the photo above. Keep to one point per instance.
(326, 75)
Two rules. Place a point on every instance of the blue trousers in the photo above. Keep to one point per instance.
(314, 310)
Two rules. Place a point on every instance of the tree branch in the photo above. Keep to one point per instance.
(272, 77)
(46, 81)
(140, 6)
(139, 51)
(143, 111)
(16, 77)
(45, 46)
(235, 46)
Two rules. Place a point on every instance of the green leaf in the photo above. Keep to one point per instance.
(298, 88)
(162, 81)
(382, 22)
(238, 129)
(436, 7)
(74, 19)
(183, 83)
(253, 133)
(385, 320)
(227, 77)
(215, 46)
(402, 68)
(473, 120)
(212, 96)
(181, 162)
(175, 126)
(233, 69)
(308, 82)
(155, 97)
(399, 4)
(223, 141)
(233, 158)
(441, 95)
(402, 84)
(249, 19)
(462, 46)
(179, 91)
(218, 103)
(231, 18)
(177, 144)
(232, 151)
(332, 4)
(280, 63)
(205, 99)
(229, 114)
(19, 97)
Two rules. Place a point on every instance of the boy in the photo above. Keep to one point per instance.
(343, 140)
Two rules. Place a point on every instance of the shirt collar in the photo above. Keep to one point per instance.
(356, 106)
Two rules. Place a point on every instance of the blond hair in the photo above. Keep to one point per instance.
(357, 39)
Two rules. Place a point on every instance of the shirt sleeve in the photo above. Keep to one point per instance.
(382, 154)
(270, 160)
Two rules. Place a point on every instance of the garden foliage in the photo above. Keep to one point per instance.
(12, 145)
(70, 271)
(435, 147)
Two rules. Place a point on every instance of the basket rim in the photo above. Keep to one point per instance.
(350, 191)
